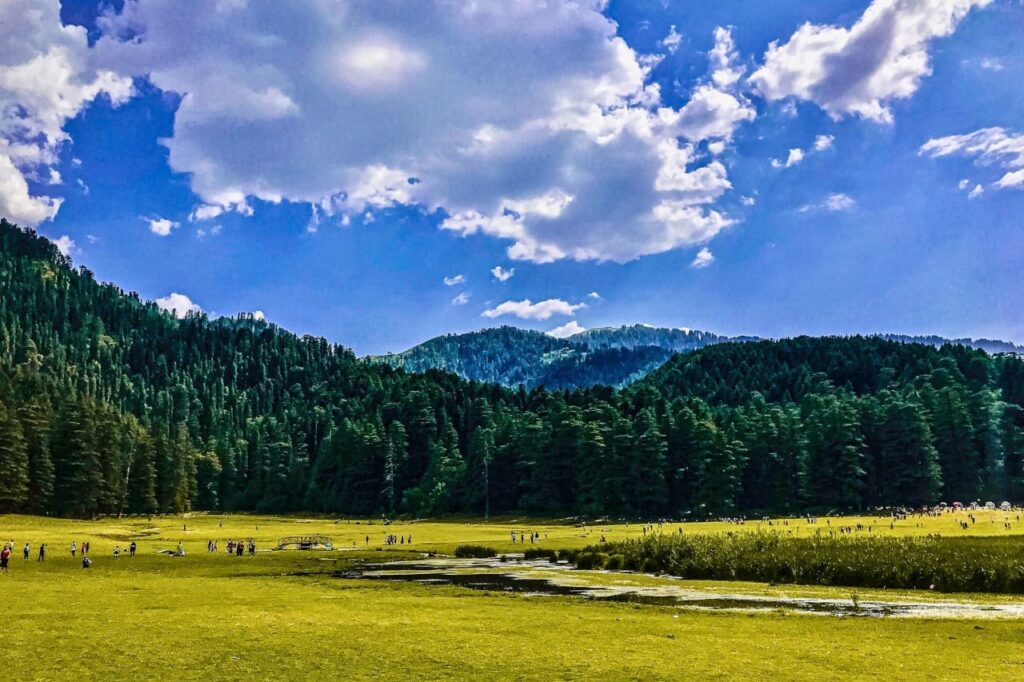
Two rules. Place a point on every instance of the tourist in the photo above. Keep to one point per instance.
(5, 556)
(74, 549)
(131, 549)
(42, 553)
(117, 551)
(25, 552)
(86, 561)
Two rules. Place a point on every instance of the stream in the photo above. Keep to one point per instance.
(535, 579)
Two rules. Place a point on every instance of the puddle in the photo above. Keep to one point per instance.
(522, 577)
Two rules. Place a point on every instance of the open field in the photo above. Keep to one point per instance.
(203, 616)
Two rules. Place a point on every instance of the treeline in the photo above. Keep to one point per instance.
(108, 404)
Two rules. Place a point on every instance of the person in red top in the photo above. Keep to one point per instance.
(5, 556)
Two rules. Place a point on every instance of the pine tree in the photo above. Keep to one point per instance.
(14, 463)
(35, 424)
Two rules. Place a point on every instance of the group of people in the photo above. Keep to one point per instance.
(235, 547)
(533, 535)
(76, 550)
(393, 540)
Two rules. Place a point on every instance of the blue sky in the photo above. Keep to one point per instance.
(331, 168)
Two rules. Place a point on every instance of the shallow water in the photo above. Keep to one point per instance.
(525, 578)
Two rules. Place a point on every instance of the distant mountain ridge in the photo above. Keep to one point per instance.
(604, 356)
(607, 356)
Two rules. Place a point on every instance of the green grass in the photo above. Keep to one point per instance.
(206, 617)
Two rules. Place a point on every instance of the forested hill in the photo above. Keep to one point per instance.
(109, 404)
(609, 356)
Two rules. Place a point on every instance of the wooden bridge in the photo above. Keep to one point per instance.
(305, 542)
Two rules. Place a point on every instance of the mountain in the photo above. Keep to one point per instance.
(991, 346)
(109, 404)
(605, 356)
(609, 356)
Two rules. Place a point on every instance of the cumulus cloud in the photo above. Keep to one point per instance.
(861, 70)
(570, 328)
(461, 299)
(454, 280)
(47, 76)
(796, 155)
(501, 274)
(559, 150)
(703, 259)
(594, 295)
(823, 142)
(161, 227)
(177, 304)
(976, 192)
(64, 244)
(724, 69)
(672, 40)
(528, 310)
(988, 147)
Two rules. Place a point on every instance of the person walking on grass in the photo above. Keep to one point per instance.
(131, 549)
(5, 556)
(74, 549)
(25, 551)
(42, 552)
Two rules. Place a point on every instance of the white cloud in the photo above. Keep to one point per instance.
(839, 202)
(861, 70)
(713, 113)
(548, 134)
(161, 227)
(258, 315)
(570, 328)
(501, 274)
(47, 76)
(65, 244)
(205, 212)
(991, 64)
(461, 299)
(796, 155)
(976, 192)
(823, 142)
(834, 203)
(703, 259)
(594, 295)
(528, 310)
(724, 71)
(963, 184)
(748, 201)
(177, 304)
(454, 280)
(988, 147)
(672, 40)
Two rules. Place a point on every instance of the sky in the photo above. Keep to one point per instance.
(382, 173)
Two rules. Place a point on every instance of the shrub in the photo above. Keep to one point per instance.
(537, 553)
(944, 564)
(616, 562)
(590, 561)
(475, 552)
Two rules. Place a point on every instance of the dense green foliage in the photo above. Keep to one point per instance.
(108, 403)
(511, 356)
(944, 564)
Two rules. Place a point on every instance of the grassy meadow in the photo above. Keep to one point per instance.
(272, 616)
